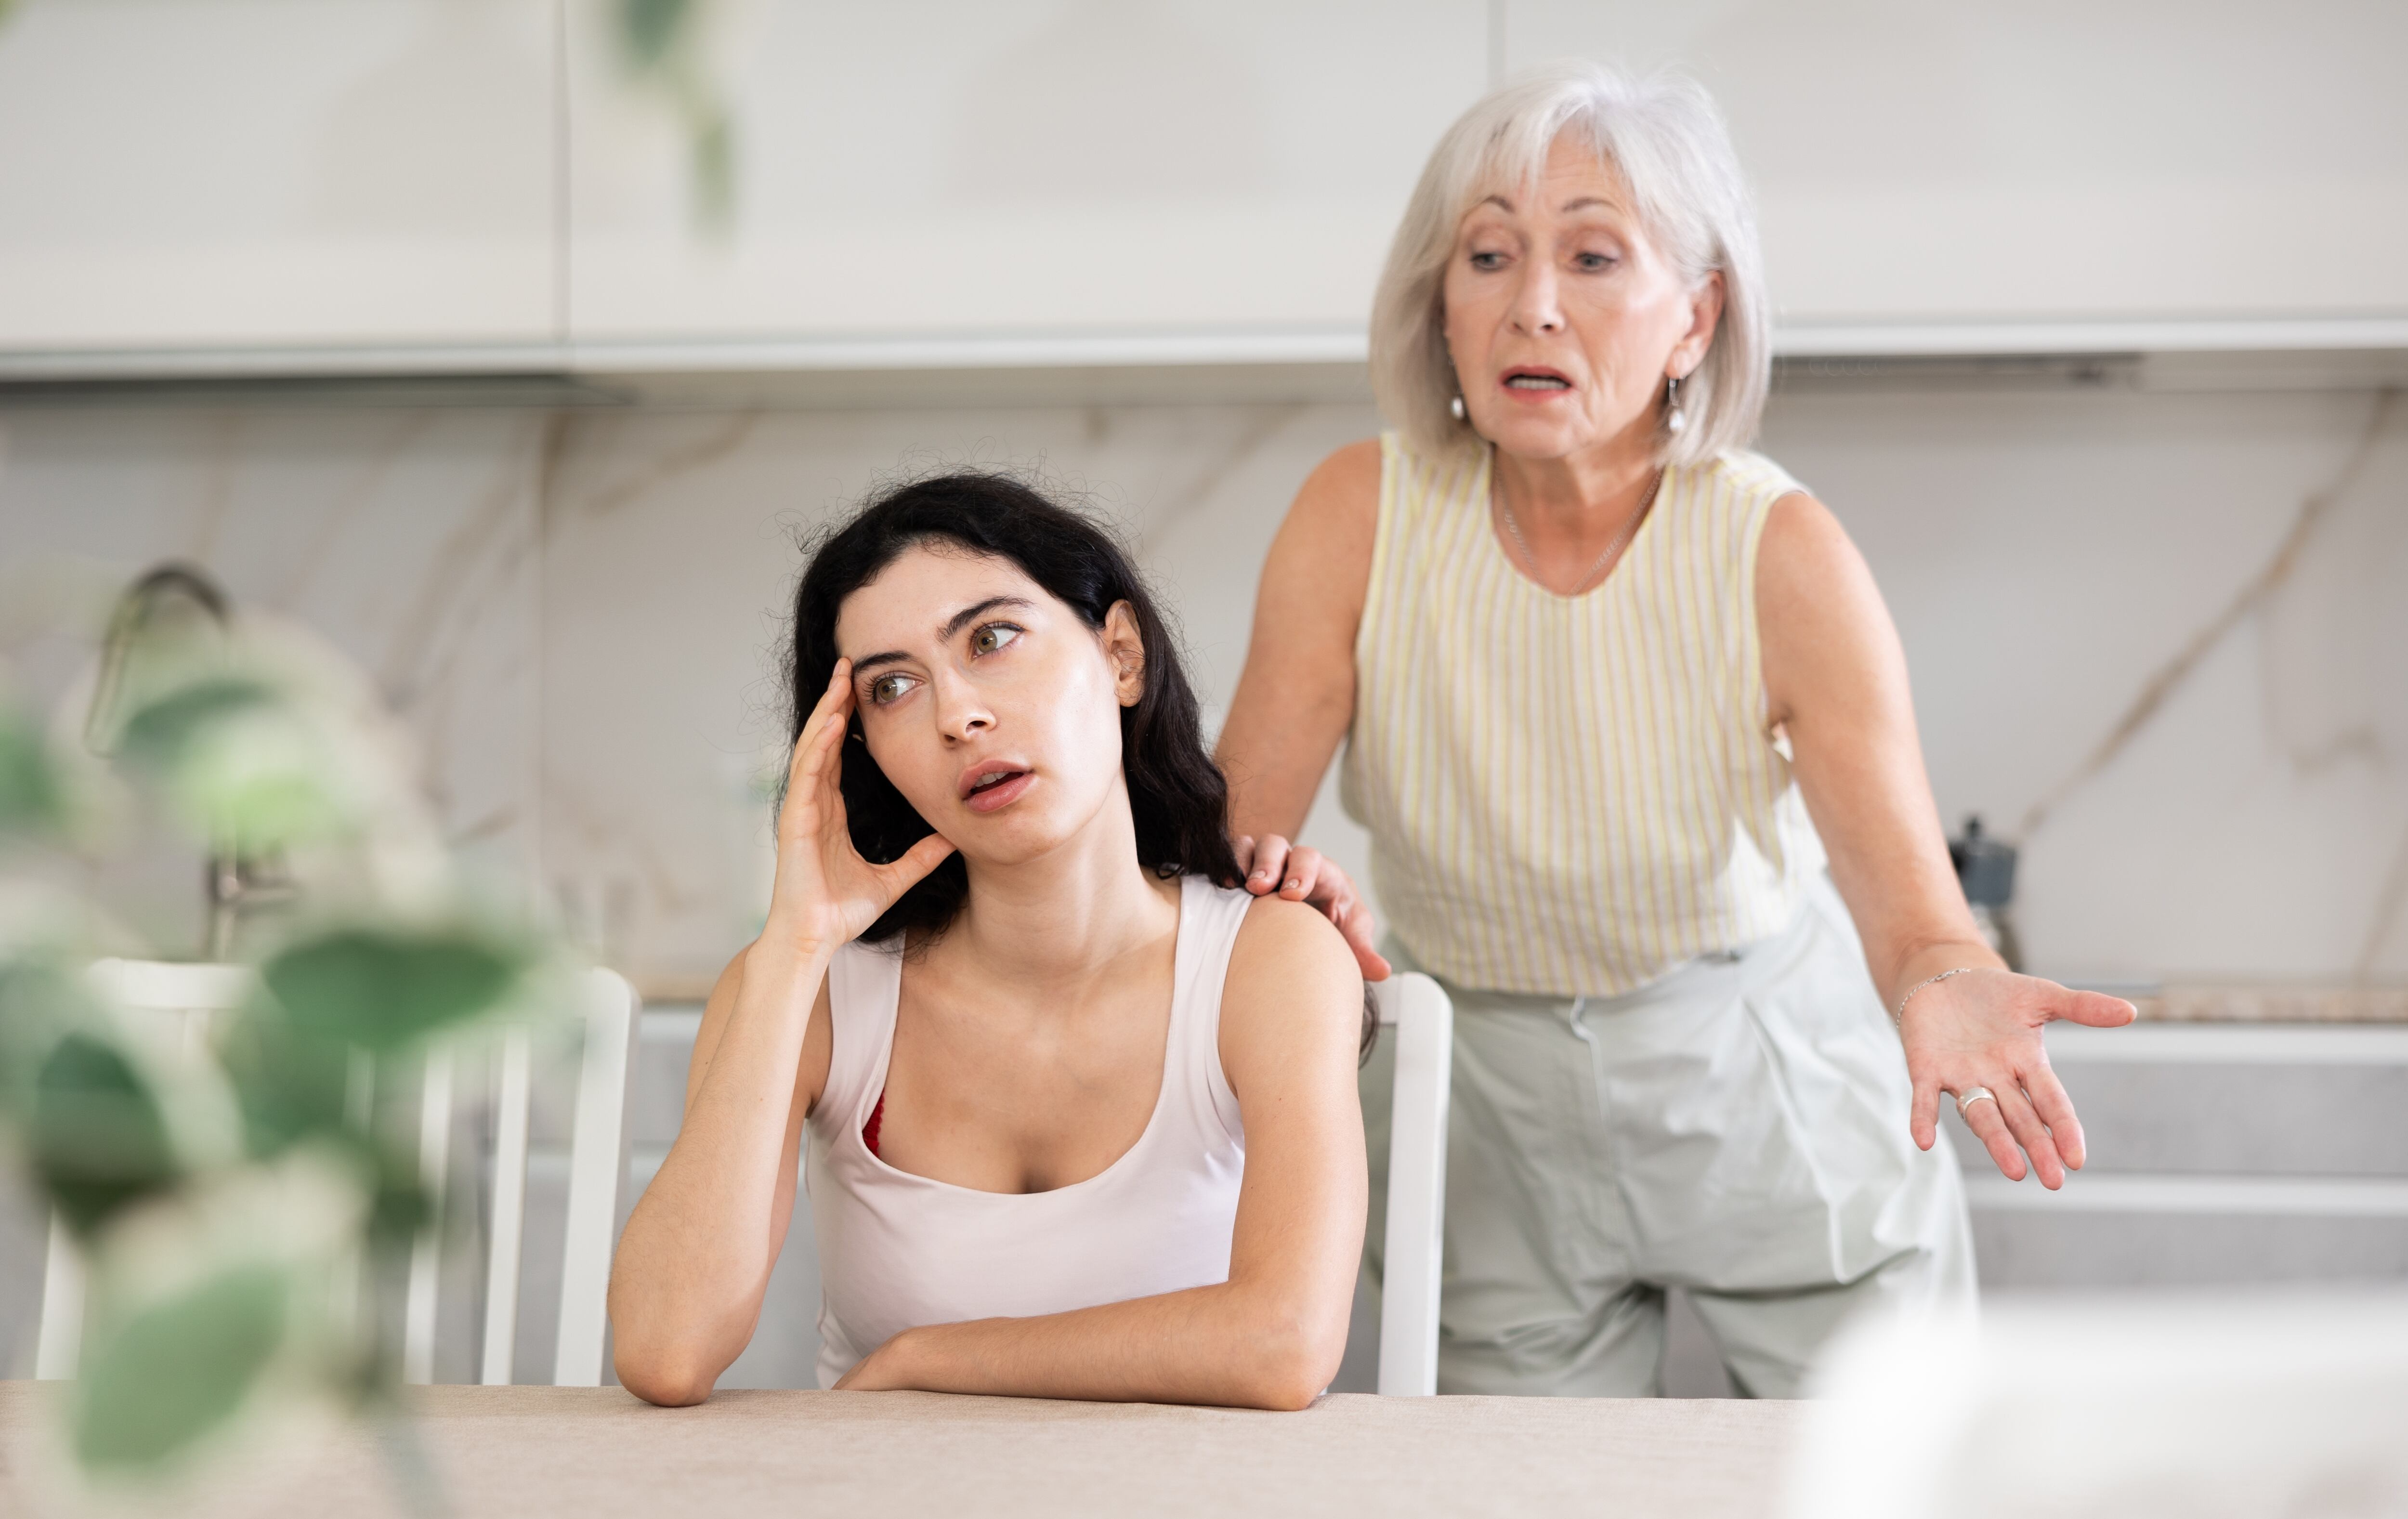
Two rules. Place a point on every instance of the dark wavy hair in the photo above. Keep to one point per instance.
(1177, 794)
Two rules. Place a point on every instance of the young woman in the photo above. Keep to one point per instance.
(1076, 1119)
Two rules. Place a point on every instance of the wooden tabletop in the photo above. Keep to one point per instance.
(598, 1454)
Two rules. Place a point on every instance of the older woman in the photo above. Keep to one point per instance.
(1623, 707)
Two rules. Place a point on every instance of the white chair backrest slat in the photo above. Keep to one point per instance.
(183, 999)
(1422, 1019)
(58, 1343)
(427, 1251)
(597, 1177)
(512, 1097)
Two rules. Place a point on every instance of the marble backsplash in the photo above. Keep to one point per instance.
(2153, 636)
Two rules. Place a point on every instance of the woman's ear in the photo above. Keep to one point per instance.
(1705, 316)
(1124, 646)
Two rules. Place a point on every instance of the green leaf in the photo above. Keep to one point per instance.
(179, 1370)
(163, 732)
(99, 1141)
(243, 765)
(40, 999)
(290, 1084)
(381, 988)
(648, 30)
(29, 793)
(399, 1208)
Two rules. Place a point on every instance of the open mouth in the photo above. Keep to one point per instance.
(995, 786)
(1536, 379)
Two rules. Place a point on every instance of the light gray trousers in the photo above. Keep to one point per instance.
(1737, 1130)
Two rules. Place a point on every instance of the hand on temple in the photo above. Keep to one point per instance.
(827, 895)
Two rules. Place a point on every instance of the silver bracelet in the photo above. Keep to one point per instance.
(1900, 1016)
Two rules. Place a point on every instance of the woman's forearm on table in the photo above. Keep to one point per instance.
(1229, 1345)
(694, 1261)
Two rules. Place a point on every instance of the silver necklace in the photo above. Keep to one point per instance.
(1497, 489)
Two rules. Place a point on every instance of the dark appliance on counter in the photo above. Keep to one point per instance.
(1986, 869)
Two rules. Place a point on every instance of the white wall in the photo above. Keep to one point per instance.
(581, 612)
(2064, 565)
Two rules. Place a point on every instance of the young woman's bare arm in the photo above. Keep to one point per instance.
(695, 1259)
(1273, 1335)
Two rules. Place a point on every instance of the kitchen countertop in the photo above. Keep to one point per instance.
(596, 1452)
(2179, 1002)
(2210, 1002)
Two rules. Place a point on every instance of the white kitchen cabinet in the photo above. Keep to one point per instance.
(203, 187)
(2063, 164)
(2219, 1154)
(216, 174)
(964, 171)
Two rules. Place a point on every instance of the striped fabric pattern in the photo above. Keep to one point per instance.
(1572, 795)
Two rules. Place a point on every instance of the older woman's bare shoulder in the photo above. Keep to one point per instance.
(1320, 561)
(1345, 483)
(1803, 551)
(1335, 518)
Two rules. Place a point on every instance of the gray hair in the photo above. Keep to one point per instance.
(1665, 141)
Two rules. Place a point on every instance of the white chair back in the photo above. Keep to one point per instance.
(182, 998)
(597, 1170)
(597, 1194)
(1416, 1009)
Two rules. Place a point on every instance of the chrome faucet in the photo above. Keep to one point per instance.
(231, 879)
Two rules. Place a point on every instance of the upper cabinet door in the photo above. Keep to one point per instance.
(215, 174)
(976, 168)
(1943, 160)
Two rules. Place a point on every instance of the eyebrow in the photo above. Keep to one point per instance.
(1581, 205)
(953, 624)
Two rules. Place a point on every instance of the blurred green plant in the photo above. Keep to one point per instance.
(29, 796)
(661, 47)
(221, 1195)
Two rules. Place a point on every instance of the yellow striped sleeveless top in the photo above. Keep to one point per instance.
(1570, 795)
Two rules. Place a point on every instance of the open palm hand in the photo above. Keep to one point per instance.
(1983, 1031)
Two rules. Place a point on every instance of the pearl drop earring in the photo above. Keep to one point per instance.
(1455, 407)
(1675, 420)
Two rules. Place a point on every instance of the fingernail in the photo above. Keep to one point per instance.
(1293, 883)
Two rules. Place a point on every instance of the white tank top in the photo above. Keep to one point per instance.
(897, 1251)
